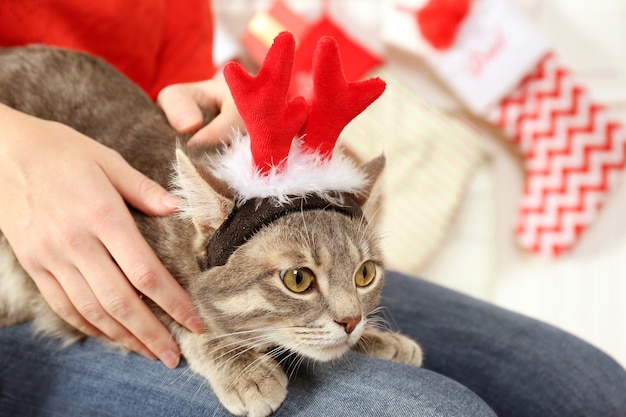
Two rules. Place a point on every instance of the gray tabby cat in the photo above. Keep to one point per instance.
(304, 284)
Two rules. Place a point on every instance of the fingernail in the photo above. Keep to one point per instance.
(195, 324)
(171, 201)
(169, 359)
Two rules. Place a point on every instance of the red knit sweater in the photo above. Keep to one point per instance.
(154, 42)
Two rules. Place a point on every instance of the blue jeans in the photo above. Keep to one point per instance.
(479, 361)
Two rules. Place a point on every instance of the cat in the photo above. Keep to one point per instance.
(305, 284)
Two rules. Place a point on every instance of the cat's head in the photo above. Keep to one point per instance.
(306, 281)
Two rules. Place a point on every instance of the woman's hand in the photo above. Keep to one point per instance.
(183, 104)
(62, 209)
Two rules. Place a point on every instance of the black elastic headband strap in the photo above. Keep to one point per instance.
(247, 219)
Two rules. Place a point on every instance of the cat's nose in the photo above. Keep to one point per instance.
(349, 323)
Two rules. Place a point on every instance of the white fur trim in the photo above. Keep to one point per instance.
(304, 173)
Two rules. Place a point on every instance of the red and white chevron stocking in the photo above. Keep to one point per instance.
(574, 154)
(502, 68)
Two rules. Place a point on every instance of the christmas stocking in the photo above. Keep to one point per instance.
(503, 69)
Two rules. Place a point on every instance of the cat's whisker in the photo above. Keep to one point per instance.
(364, 226)
(240, 347)
(368, 203)
(199, 389)
(382, 315)
(362, 222)
(255, 364)
(309, 363)
(377, 310)
(236, 342)
(365, 343)
(261, 331)
(290, 366)
(186, 372)
(378, 314)
(235, 339)
(276, 351)
(380, 325)
(226, 362)
(279, 351)
(307, 235)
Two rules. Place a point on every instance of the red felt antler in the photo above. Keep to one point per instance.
(335, 101)
(272, 121)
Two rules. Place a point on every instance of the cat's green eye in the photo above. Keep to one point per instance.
(366, 274)
(297, 280)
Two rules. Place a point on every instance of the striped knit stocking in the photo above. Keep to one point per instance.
(574, 154)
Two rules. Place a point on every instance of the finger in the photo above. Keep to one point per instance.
(137, 260)
(121, 237)
(76, 304)
(180, 108)
(119, 312)
(138, 190)
(146, 273)
(81, 295)
(223, 126)
(219, 130)
(62, 306)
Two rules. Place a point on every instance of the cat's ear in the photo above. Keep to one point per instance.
(205, 200)
(373, 169)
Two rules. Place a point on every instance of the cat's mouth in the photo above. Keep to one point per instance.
(327, 350)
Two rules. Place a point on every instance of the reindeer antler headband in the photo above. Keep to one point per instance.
(291, 141)
(286, 162)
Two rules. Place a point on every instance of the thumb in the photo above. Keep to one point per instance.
(140, 191)
(181, 110)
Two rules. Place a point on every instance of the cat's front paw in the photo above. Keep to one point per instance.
(252, 388)
(402, 349)
(390, 346)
